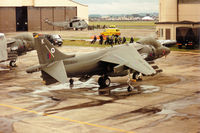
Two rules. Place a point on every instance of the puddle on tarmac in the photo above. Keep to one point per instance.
(77, 85)
(123, 90)
(91, 84)
(6, 125)
(170, 109)
(144, 89)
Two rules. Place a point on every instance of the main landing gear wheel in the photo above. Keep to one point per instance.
(104, 82)
(137, 76)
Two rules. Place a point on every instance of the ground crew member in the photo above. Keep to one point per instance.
(116, 40)
(119, 40)
(101, 39)
(111, 41)
(107, 40)
(131, 40)
(94, 40)
(124, 40)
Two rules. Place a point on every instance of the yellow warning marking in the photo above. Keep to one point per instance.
(66, 119)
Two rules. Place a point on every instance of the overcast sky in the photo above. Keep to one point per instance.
(120, 6)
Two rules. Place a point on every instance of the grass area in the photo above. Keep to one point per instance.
(123, 23)
(71, 38)
(83, 43)
(126, 24)
(175, 48)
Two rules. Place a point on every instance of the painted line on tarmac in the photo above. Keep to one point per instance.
(66, 119)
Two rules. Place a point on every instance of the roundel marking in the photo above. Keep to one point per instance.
(53, 50)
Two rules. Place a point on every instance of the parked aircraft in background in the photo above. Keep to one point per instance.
(16, 46)
(5, 53)
(74, 24)
(21, 43)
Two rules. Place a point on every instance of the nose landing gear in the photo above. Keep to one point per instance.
(137, 76)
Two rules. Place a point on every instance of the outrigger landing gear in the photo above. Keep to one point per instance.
(12, 63)
(104, 82)
(130, 88)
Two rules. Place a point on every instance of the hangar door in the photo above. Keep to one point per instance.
(168, 35)
(21, 19)
(186, 34)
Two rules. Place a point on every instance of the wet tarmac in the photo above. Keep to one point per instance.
(167, 102)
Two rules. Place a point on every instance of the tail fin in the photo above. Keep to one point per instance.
(47, 53)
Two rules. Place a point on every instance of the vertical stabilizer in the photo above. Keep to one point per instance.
(47, 53)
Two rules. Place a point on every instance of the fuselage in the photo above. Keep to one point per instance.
(87, 64)
(90, 64)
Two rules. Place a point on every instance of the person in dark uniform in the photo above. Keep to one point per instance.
(94, 40)
(111, 41)
(131, 40)
(124, 40)
(107, 40)
(119, 40)
(116, 40)
(101, 39)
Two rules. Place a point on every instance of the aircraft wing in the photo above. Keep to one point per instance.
(128, 56)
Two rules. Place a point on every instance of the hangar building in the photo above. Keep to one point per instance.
(179, 20)
(29, 15)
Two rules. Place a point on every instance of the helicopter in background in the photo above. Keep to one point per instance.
(75, 24)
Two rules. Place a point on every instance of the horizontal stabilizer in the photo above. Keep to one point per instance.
(57, 71)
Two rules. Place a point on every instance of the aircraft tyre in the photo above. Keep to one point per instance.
(12, 63)
(129, 89)
(107, 82)
(60, 44)
(104, 82)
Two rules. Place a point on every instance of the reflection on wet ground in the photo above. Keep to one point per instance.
(171, 109)
(176, 82)
(6, 125)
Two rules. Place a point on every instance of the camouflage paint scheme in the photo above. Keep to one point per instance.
(109, 62)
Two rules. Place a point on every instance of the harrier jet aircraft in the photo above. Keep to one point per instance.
(10, 48)
(110, 62)
(5, 53)
(74, 24)
(21, 43)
